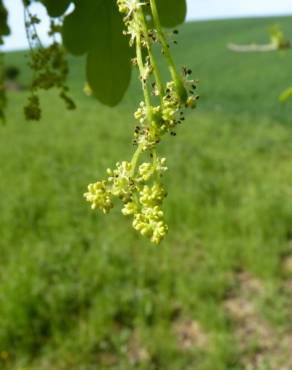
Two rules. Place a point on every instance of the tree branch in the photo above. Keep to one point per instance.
(252, 48)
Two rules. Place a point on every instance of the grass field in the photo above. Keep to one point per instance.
(81, 291)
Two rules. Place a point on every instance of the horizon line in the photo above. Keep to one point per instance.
(188, 20)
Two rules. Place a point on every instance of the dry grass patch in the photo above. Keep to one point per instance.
(262, 346)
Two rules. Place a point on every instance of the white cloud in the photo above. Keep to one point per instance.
(209, 9)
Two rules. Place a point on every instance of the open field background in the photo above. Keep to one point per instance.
(82, 291)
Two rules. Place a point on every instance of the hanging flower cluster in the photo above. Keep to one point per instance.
(140, 200)
(49, 65)
(136, 183)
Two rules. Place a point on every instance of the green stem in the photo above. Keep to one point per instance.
(151, 55)
(146, 92)
(141, 67)
(135, 159)
(154, 156)
(171, 65)
(155, 160)
(27, 20)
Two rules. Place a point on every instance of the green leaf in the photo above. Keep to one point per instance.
(172, 12)
(285, 95)
(56, 8)
(108, 63)
(79, 27)
(4, 29)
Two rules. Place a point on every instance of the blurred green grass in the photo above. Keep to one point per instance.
(76, 285)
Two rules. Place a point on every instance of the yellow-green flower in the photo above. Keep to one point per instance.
(99, 196)
(130, 208)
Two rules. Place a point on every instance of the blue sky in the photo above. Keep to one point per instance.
(197, 10)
